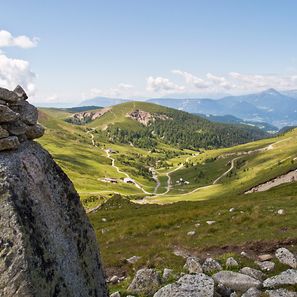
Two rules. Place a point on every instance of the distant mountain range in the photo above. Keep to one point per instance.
(230, 119)
(271, 106)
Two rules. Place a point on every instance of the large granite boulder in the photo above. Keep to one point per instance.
(47, 245)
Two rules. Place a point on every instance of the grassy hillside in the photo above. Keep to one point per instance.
(170, 126)
(204, 183)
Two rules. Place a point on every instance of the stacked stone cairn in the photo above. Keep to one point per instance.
(18, 119)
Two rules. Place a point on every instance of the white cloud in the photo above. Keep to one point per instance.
(236, 82)
(192, 79)
(122, 90)
(14, 72)
(162, 85)
(22, 41)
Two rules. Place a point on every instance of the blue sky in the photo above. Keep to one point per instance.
(142, 48)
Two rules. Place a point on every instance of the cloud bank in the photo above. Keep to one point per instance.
(16, 71)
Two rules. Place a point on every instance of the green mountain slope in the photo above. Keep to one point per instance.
(153, 123)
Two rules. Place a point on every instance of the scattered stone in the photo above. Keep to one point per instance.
(286, 257)
(266, 265)
(265, 257)
(7, 115)
(193, 265)
(280, 212)
(197, 225)
(210, 266)
(231, 262)
(210, 222)
(35, 131)
(252, 292)
(288, 277)
(133, 259)
(244, 254)
(146, 282)
(3, 133)
(236, 281)
(232, 209)
(20, 93)
(9, 143)
(189, 285)
(167, 273)
(191, 233)
(115, 294)
(280, 293)
(104, 220)
(114, 279)
(257, 274)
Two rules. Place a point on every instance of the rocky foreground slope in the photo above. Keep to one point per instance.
(47, 245)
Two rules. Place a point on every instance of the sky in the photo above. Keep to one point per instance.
(65, 51)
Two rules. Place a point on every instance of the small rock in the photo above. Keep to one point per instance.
(133, 259)
(266, 265)
(3, 133)
(232, 209)
(223, 291)
(33, 132)
(166, 274)
(114, 279)
(231, 262)
(8, 96)
(9, 143)
(265, 257)
(281, 212)
(28, 112)
(257, 274)
(191, 233)
(244, 254)
(288, 277)
(280, 293)
(115, 294)
(20, 93)
(189, 285)
(252, 292)
(16, 128)
(145, 282)
(7, 115)
(210, 222)
(236, 281)
(193, 265)
(104, 220)
(197, 225)
(210, 266)
(286, 257)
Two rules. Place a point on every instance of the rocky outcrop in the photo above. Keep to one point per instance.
(85, 117)
(145, 118)
(47, 245)
(18, 119)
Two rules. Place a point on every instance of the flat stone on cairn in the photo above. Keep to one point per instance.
(18, 119)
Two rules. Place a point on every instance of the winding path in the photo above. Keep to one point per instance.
(225, 173)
